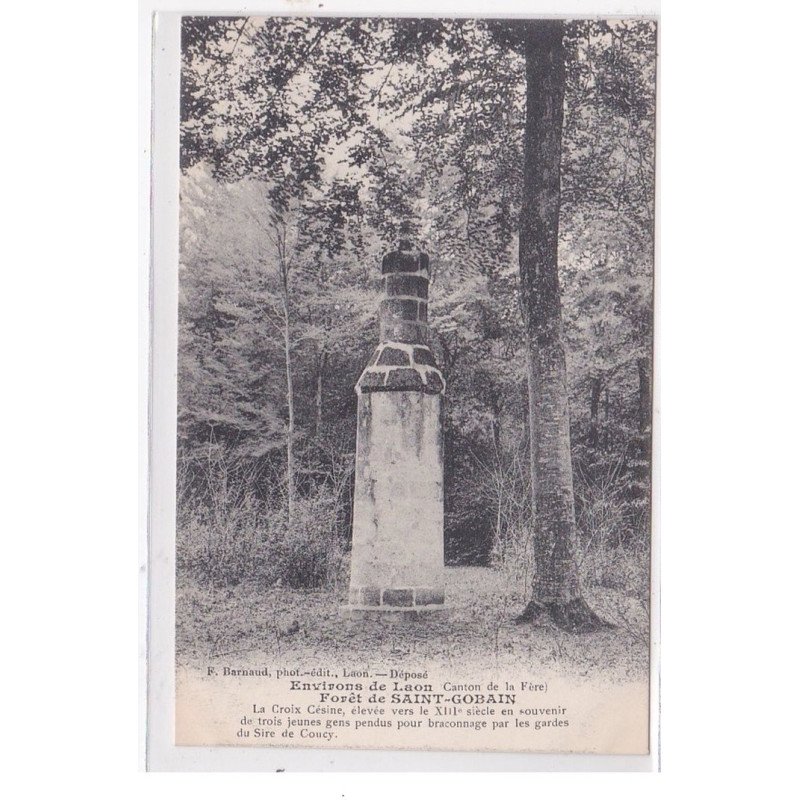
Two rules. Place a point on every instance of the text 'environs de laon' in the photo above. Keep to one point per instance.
(397, 693)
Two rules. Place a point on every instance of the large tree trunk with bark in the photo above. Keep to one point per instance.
(556, 590)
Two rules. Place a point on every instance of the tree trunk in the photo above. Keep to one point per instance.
(594, 411)
(287, 349)
(556, 590)
(531, 437)
(322, 362)
(645, 397)
(496, 440)
(498, 519)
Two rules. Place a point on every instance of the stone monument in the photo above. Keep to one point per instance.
(397, 562)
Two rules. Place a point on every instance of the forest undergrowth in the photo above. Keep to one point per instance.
(253, 586)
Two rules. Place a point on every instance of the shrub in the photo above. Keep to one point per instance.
(308, 553)
(614, 532)
(613, 535)
(228, 531)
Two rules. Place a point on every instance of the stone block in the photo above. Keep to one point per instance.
(422, 311)
(369, 596)
(435, 384)
(406, 331)
(400, 380)
(398, 597)
(400, 262)
(400, 309)
(371, 381)
(407, 285)
(394, 357)
(365, 596)
(423, 355)
(428, 597)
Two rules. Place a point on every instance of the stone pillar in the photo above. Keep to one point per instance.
(397, 562)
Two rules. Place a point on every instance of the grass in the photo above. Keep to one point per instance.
(254, 624)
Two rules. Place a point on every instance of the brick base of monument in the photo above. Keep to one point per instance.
(373, 597)
(394, 604)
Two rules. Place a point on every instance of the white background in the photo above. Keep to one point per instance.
(73, 365)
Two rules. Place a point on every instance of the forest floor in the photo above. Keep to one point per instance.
(251, 624)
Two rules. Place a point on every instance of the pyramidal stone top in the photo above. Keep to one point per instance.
(403, 361)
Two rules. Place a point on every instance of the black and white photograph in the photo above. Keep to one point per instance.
(415, 383)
